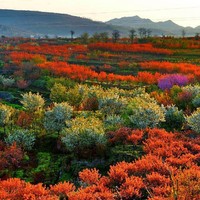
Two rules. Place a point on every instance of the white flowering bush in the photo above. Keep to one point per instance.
(109, 102)
(194, 89)
(196, 101)
(23, 138)
(1, 78)
(32, 102)
(113, 122)
(58, 118)
(58, 93)
(194, 120)
(143, 112)
(76, 95)
(7, 82)
(110, 105)
(83, 133)
(5, 115)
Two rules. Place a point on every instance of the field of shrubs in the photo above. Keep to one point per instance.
(100, 120)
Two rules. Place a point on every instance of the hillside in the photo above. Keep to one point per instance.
(23, 23)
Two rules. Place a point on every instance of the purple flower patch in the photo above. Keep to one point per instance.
(170, 80)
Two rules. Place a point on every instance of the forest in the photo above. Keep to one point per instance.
(100, 118)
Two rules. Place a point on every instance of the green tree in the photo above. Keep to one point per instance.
(149, 31)
(96, 37)
(132, 35)
(183, 32)
(23, 138)
(84, 38)
(115, 36)
(72, 34)
(104, 36)
(142, 32)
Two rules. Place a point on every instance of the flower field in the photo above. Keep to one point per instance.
(100, 120)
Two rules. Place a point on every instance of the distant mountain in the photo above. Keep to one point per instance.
(158, 28)
(23, 23)
(33, 23)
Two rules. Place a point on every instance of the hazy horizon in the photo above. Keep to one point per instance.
(184, 13)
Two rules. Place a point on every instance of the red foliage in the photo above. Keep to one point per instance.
(177, 43)
(10, 156)
(82, 73)
(89, 176)
(56, 50)
(119, 136)
(147, 77)
(118, 173)
(155, 179)
(170, 147)
(162, 98)
(125, 135)
(22, 84)
(123, 64)
(93, 192)
(136, 136)
(24, 119)
(90, 103)
(186, 183)
(81, 57)
(62, 189)
(186, 68)
(19, 57)
(131, 188)
(168, 170)
(116, 47)
(17, 189)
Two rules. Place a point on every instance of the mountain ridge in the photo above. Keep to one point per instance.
(37, 23)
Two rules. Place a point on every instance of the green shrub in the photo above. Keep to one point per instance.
(196, 101)
(143, 112)
(32, 102)
(113, 122)
(68, 83)
(58, 93)
(76, 95)
(7, 82)
(174, 118)
(23, 138)
(194, 120)
(56, 119)
(5, 115)
(7, 96)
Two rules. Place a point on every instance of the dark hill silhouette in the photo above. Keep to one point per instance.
(34, 23)
(25, 23)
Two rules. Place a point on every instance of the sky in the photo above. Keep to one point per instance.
(182, 12)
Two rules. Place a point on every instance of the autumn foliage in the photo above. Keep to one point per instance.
(116, 47)
(129, 162)
(168, 67)
(82, 73)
